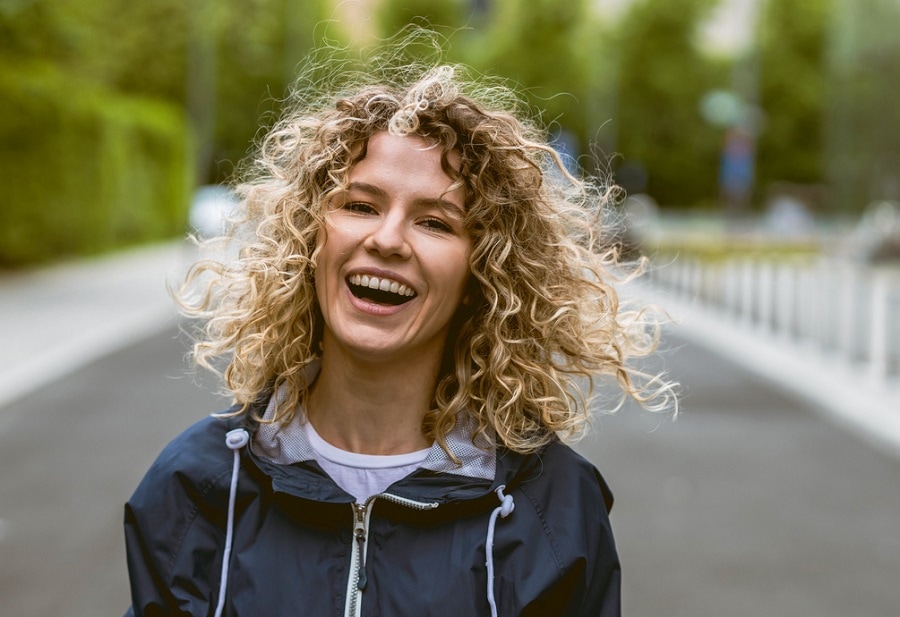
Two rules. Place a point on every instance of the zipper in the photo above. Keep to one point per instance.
(409, 503)
(357, 580)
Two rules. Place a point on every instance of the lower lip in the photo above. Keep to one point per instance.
(372, 308)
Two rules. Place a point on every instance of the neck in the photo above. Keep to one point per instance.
(372, 408)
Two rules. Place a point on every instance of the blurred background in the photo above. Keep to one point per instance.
(759, 145)
(713, 108)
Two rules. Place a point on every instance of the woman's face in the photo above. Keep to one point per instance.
(394, 258)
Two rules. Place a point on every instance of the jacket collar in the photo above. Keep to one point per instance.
(288, 443)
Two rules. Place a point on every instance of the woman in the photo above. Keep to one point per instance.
(408, 331)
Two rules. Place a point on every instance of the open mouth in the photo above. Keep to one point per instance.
(379, 290)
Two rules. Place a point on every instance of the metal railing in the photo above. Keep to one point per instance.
(830, 306)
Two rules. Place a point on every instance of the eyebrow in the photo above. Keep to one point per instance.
(423, 202)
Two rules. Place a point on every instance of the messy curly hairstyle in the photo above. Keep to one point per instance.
(544, 321)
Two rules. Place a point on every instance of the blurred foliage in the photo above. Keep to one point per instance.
(862, 116)
(208, 74)
(227, 63)
(631, 90)
(134, 47)
(85, 170)
(204, 73)
(540, 45)
(662, 76)
(792, 45)
(725, 249)
(547, 49)
(627, 94)
(259, 46)
(445, 16)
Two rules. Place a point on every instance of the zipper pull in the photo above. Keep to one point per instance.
(360, 544)
(359, 532)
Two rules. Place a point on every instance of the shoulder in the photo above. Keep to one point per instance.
(571, 501)
(191, 464)
(180, 508)
(565, 476)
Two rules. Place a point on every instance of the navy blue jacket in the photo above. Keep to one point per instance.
(294, 550)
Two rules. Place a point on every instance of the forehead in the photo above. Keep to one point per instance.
(405, 165)
(387, 145)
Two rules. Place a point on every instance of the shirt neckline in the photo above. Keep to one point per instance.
(358, 460)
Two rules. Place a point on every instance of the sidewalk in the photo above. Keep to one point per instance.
(56, 319)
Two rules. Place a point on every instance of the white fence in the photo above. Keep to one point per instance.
(834, 307)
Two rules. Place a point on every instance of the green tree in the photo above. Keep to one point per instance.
(662, 77)
(93, 143)
(792, 37)
(545, 47)
(102, 42)
(394, 15)
(862, 117)
(80, 67)
(225, 63)
(259, 45)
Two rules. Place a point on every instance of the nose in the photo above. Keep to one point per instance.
(388, 238)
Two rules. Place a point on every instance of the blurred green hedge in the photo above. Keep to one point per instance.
(83, 170)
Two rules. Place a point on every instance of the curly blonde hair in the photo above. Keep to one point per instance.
(544, 322)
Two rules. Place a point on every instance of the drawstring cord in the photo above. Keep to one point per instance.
(507, 505)
(235, 440)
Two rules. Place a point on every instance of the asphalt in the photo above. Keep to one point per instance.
(56, 319)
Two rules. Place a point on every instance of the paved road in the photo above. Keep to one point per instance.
(748, 505)
(70, 455)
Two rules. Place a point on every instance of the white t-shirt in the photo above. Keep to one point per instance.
(362, 475)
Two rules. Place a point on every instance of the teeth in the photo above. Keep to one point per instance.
(383, 284)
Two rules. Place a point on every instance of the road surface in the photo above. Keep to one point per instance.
(750, 504)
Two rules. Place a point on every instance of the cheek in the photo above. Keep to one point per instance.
(320, 288)
(330, 245)
(464, 267)
(459, 280)
(339, 238)
(325, 268)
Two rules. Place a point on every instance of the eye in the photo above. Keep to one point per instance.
(359, 206)
(436, 225)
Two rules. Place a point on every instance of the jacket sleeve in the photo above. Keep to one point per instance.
(602, 595)
(148, 572)
(173, 533)
(576, 521)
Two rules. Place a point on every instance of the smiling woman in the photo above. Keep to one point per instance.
(421, 306)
